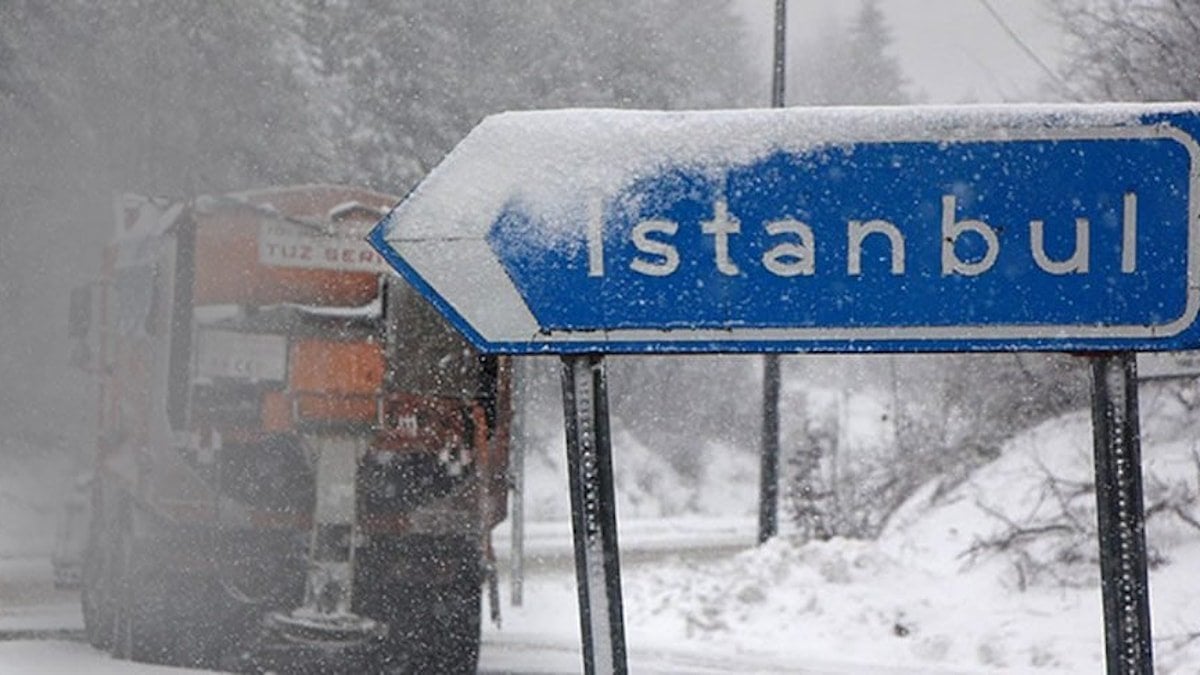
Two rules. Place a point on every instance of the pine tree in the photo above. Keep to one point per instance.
(418, 74)
(850, 67)
(876, 79)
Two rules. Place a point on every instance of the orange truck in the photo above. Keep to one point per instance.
(298, 461)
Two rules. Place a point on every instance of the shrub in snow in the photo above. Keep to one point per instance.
(1031, 513)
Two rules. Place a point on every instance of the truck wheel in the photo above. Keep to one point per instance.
(95, 599)
(436, 628)
(456, 619)
(98, 583)
(140, 631)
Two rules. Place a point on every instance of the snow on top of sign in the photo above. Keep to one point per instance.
(552, 163)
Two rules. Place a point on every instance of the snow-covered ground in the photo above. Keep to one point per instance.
(59, 656)
(998, 573)
(995, 574)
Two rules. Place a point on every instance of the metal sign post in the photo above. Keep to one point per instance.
(768, 473)
(1122, 526)
(594, 514)
(768, 495)
(516, 462)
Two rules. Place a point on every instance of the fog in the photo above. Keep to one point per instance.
(215, 97)
(198, 97)
(179, 100)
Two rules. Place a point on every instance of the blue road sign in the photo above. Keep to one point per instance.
(976, 229)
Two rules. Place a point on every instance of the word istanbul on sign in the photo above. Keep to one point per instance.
(659, 257)
(910, 241)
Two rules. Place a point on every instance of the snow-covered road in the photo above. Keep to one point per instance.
(41, 629)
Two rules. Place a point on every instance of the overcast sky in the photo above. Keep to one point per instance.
(952, 51)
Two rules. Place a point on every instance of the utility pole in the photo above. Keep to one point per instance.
(768, 500)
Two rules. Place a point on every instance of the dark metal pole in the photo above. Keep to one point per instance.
(594, 514)
(768, 497)
(780, 62)
(1122, 525)
(516, 462)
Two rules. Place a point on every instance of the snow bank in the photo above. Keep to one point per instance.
(847, 600)
(942, 532)
(72, 657)
(998, 573)
(1031, 513)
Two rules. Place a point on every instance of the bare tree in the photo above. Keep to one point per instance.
(1133, 50)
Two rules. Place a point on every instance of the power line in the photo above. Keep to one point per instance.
(1012, 34)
